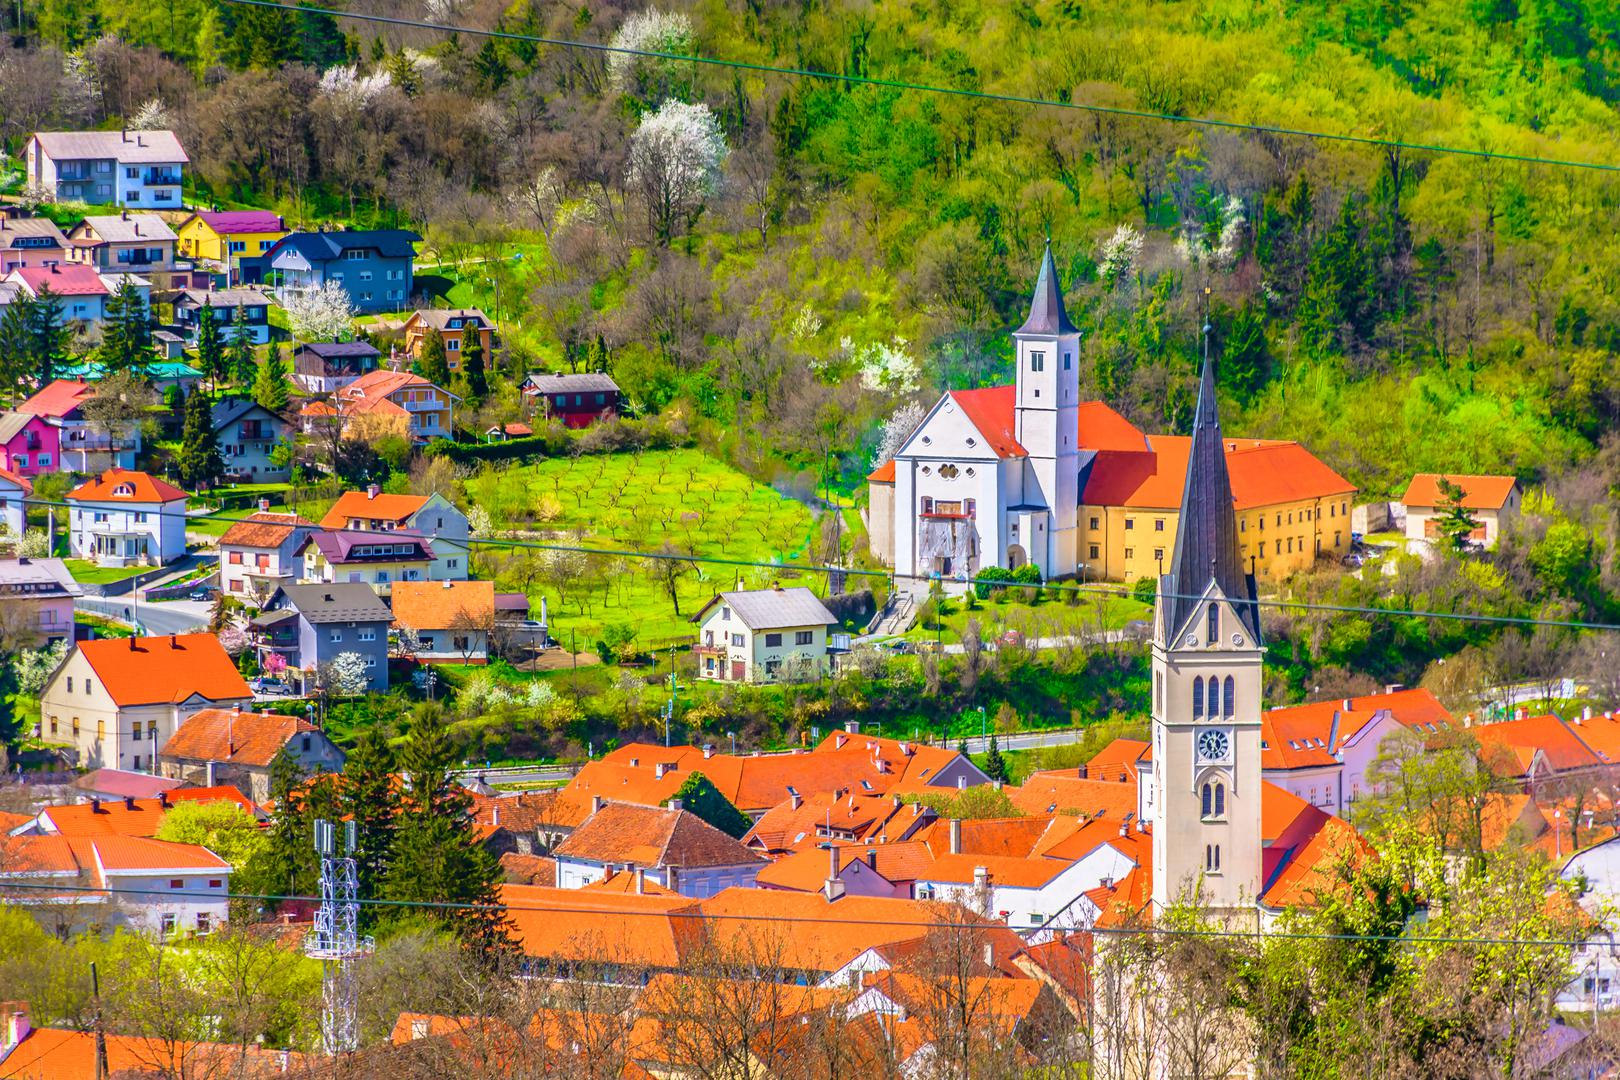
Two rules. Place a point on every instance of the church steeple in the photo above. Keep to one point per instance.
(1046, 312)
(1207, 544)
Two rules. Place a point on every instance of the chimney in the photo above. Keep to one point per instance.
(672, 878)
(174, 641)
(1348, 706)
(1082, 775)
(981, 877)
(897, 802)
(1468, 720)
(708, 751)
(1586, 714)
(132, 643)
(996, 784)
(14, 1024)
(795, 800)
(635, 763)
(1521, 713)
(677, 805)
(447, 583)
(852, 726)
(956, 836)
(495, 817)
(419, 1027)
(597, 802)
(659, 767)
(1141, 825)
(264, 504)
(95, 805)
(871, 858)
(989, 954)
(640, 881)
(129, 802)
(839, 740)
(372, 491)
(163, 800)
(208, 774)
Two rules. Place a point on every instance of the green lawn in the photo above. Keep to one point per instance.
(1049, 618)
(243, 496)
(638, 502)
(88, 573)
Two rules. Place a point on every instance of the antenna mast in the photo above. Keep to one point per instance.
(336, 941)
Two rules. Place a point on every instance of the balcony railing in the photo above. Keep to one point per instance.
(160, 176)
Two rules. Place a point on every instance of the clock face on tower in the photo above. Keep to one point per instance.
(1213, 745)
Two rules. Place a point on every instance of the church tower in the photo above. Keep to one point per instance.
(1047, 426)
(1206, 694)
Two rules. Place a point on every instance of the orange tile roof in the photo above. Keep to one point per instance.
(138, 854)
(58, 398)
(235, 736)
(1291, 733)
(625, 884)
(60, 1054)
(1312, 869)
(625, 783)
(1005, 870)
(1263, 473)
(126, 485)
(1101, 428)
(806, 870)
(1479, 492)
(165, 670)
(807, 932)
(1132, 843)
(826, 815)
(646, 836)
(371, 391)
(992, 1001)
(532, 810)
(599, 927)
(1602, 733)
(992, 410)
(1063, 792)
(883, 474)
(529, 869)
(1118, 760)
(263, 529)
(1509, 746)
(17, 481)
(1008, 837)
(359, 506)
(132, 817)
(441, 605)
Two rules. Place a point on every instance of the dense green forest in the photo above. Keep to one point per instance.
(1395, 309)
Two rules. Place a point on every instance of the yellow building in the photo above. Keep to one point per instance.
(227, 236)
(1291, 508)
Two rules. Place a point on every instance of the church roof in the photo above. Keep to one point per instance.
(1263, 472)
(1207, 549)
(1046, 312)
(992, 410)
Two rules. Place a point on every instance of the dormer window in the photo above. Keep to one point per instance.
(124, 490)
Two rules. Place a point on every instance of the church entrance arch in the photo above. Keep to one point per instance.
(1016, 556)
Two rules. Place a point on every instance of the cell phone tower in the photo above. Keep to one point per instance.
(336, 941)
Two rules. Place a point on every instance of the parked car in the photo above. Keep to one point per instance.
(270, 686)
(200, 594)
(897, 646)
(1011, 638)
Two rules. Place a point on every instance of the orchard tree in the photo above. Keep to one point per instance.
(676, 161)
(321, 314)
(649, 77)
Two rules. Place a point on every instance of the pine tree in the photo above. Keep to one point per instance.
(15, 346)
(47, 335)
(995, 766)
(371, 800)
(239, 356)
(198, 460)
(270, 381)
(472, 366)
(432, 363)
(126, 332)
(1454, 523)
(210, 347)
(435, 854)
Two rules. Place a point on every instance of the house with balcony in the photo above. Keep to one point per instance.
(235, 241)
(45, 589)
(455, 326)
(452, 620)
(130, 243)
(27, 444)
(13, 515)
(125, 518)
(248, 433)
(75, 444)
(763, 635)
(30, 241)
(367, 558)
(430, 515)
(126, 168)
(260, 553)
(236, 311)
(321, 367)
(82, 290)
(577, 400)
(304, 628)
(392, 403)
(374, 266)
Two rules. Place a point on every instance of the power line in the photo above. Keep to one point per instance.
(1118, 591)
(721, 917)
(951, 91)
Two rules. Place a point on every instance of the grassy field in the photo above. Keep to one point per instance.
(88, 573)
(637, 502)
(1049, 618)
(218, 524)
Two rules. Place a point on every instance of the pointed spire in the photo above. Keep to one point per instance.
(1207, 544)
(1046, 312)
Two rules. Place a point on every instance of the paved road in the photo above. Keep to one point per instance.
(540, 774)
(174, 617)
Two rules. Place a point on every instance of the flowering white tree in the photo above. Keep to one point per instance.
(345, 86)
(153, 115)
(346, 674)
(234, 640)
(321, 314)
(1213, 245)
(34, 666)
(676, 158)
(889, 367)
(649, 31)
(1121, 254)
(896, 429)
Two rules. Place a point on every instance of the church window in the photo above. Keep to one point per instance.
(1158, 692)
(971, 472)
(1290, 517)
(1068, 361)
(1279, 521)
(1130, 553)
(1261, 518)
(1335, 539)
(926, 470)
(1344, 508)
(1094, 553)
(1279, 547)
(1230, 704)
(1214, 695)
(1158, 553)
(1037, 362)
(1331, 509)
(1037, 393)
(948, 472)
(1212, 631)
(1220, 800)
(927, 505)
(1209, 799)
(971, 441)
(1198, 697)
(970, 506)
(1212, 858)
(1243, 524)
(1290, 545)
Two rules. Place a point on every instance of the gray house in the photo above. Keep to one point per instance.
(307, 627)
(373, 265)
(236, 311)
(247, 433)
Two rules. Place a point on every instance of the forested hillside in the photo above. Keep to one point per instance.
(858, 246)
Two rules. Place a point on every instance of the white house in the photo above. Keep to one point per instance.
(116, 701)
(763, 635)
(452, 620)
(259, 553)
(1489, 500)
(123, 517)
(151, 885)
(673, 847)
(433, 516)
(127, 168)
(13, 490)
(82, 291)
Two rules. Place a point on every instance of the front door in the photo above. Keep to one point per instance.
(739, 670)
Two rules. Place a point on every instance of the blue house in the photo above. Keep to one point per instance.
(309, 626)
(374, 266)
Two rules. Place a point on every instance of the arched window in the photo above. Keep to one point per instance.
(1198, 697)
(1231, 697)
(1217, 865)
(1208, 799)
(1220, 800)
(1214, 709)
(1209, 857)
(1213, 634)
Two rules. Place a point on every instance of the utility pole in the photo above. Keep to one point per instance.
(668, 711)
(101, 1034)
(335, 941)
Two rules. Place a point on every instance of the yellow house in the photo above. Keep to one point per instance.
(226, 236)
(1291, 508)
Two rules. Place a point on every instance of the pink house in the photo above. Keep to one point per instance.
(45, 587)
(28, 444)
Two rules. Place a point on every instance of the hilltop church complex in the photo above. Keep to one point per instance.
(1030, 473)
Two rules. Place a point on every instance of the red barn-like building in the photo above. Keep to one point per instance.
(577, 400)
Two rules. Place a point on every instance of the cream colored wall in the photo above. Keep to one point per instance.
(880, 522)
(1128, 540)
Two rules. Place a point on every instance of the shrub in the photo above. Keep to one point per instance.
(991, 580)
(1142, 590)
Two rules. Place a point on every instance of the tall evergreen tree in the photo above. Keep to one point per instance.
(270, 381)
(432, 363)
(370, 796)
(126, 331)
(16, 346)
(198, 461)
(239, 355)
(473, 367)
(436, 856)
(995, 766)
(1454, 523)
(47, 335)
(210, 346)
(286, 865)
